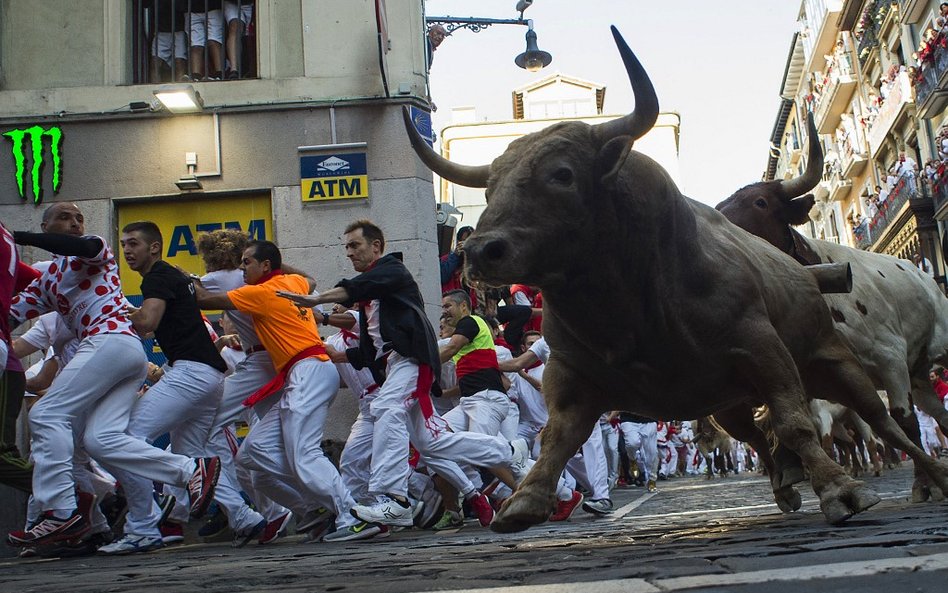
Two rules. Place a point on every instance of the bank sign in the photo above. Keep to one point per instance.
(29, 157)
(333, 175)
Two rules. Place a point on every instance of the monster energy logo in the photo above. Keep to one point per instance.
(36, 135)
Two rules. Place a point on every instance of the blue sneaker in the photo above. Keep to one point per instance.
(132, 544)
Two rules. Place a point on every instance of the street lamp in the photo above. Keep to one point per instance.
(532, 59)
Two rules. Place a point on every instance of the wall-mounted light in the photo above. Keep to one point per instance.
(180, 98)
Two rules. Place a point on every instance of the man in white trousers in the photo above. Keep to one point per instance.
(285, 443)
(184, 401)
(399, 345)
(99, 386)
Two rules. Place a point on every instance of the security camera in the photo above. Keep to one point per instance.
(523, 5)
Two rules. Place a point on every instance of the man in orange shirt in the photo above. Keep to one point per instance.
(285, 443)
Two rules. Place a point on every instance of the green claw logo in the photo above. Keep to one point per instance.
(36, 135)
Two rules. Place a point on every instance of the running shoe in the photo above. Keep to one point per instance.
(385, 511)
(601, 506)
(132, 544)
(51, 528)
(313, 518)
(202, 483)
(171, 533)
(275, 529)
(355, 532)
(565, 508)
(481, 506)
(449, 520)
(242, 538)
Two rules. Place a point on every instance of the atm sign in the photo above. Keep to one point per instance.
(333, 177)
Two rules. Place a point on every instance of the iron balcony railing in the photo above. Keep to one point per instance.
(905, 189)
(931, 73)
(164, 50)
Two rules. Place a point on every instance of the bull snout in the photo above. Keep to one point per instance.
(485, 252)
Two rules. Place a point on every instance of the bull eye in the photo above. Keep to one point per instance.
(761, 203)
(563, 175)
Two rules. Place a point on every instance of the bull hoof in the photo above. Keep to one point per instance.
(790, 476)
(522, 510)
(920, 492)
(848, 500)
(788, 499)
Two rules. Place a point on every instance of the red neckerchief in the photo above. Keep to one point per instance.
(269, 275)
(280, 379)
(348, 336)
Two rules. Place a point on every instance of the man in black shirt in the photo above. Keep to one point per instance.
(185, 400)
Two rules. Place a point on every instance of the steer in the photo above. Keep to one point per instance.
(695, 315)
(895, 319)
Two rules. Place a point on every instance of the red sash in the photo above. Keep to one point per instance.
(279, 380)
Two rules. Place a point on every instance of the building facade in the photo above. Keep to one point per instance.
(300, 133)
(867, 71)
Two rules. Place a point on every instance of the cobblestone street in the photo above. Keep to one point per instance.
(696, 535)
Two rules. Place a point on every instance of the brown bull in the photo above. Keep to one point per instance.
(697, 315)
(896, 349)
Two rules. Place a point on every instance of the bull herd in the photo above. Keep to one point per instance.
(663, 306)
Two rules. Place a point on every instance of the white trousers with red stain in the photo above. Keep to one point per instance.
(182, 403)
(398, 418)
(589, 468)
(100, 385)
(285, 443)
(668, 458)
(641, 443)
(610, 447)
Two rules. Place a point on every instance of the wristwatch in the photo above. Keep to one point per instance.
(325, 318)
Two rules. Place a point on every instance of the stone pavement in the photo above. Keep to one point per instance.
(694, 535)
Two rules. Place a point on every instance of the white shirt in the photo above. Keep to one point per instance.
(541, 350)
(226, 281)
(530, 401)
(50, 332)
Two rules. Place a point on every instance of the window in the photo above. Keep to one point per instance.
(193, 40)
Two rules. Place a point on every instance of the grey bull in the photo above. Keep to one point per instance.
(895, 319)
(654, 303)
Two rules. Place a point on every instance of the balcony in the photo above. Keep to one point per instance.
(906, 189)
(931, 87)
(912, 10)
(899, 98)
(853, 162)
(869, 27)
(890, 30)
(834, 101)
(821, 26)
(940, 198)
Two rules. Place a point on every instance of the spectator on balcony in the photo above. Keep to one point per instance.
(872, 206)
(169, 57)
(882, 196)
(923, 264)
(436, 34)
(942, 20)
(206, 26)
(237, 15)
(906, 165)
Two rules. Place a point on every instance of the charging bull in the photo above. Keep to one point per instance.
(895, 319)
(652, 302)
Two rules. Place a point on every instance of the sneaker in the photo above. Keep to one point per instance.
(385, 511)
(171, 533)
(313, 518)
(355, 532)
(166, 504)
(214, 525)
(87, 546)
(275, 529)
(114, 507)
(449, 520)
(518, 459)
(481, 506)
(651, 487)
(601, 506)
(242, 538)
(132, 544)
(29, 552)
(51, 529)
(202, 483)
(430, 512)
(231, 75)
(565, 508)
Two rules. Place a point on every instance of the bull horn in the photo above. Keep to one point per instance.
(460, 174)
(641, 120)
(798, 186)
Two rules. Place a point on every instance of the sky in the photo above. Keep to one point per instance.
(718, 64)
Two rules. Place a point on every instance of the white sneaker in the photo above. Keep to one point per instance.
(132, 544)
(518, 459)
(601, 506)
(384, 512)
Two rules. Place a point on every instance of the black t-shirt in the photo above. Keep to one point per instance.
(181, 333)
(479, 380)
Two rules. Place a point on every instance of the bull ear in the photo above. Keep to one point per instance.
(798, 209)
(611, 158)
